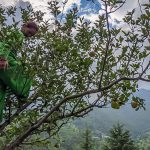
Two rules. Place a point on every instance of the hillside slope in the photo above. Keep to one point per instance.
(101, 120)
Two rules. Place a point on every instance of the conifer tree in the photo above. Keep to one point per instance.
(119, 139)
(88, 142)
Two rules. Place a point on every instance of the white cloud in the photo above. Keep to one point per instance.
(70, 3)
(128, 6)
(42, 5)
(8, 2)
(91, 17)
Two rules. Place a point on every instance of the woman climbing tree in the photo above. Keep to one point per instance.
(12, 74)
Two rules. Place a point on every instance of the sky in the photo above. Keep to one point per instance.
(86, 8)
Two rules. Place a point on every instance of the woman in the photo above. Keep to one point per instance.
(12, 75)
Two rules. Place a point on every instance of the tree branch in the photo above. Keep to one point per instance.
(107, 46)
(144, 71)
(117, 7)
(37, 124)
(19, 110)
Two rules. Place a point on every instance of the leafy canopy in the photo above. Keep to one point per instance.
(70, 59)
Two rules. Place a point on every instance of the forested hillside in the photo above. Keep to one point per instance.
(101, 120)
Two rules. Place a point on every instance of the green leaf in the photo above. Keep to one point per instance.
(147, 48)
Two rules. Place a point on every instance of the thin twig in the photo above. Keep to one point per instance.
(33, 98)
(107, 46)
(117, 8)
(140, 7)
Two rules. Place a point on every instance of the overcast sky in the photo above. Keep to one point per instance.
(83, 5)
(86, 8)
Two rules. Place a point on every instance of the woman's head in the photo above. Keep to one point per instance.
(29, 29)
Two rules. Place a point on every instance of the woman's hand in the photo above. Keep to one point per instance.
(3, 63)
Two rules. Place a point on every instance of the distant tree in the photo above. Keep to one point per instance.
(144, 143)
(119, 139)
(88, 143)
(71, 137)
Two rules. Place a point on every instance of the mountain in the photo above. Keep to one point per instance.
(101, 120)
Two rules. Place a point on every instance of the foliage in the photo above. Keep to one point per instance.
(144, 143)
(119, 139)
(71, 137)
(88, 142)
(65, 74)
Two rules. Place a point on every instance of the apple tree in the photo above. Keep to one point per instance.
(76, 65)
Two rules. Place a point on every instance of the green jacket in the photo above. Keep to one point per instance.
(14, 77)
